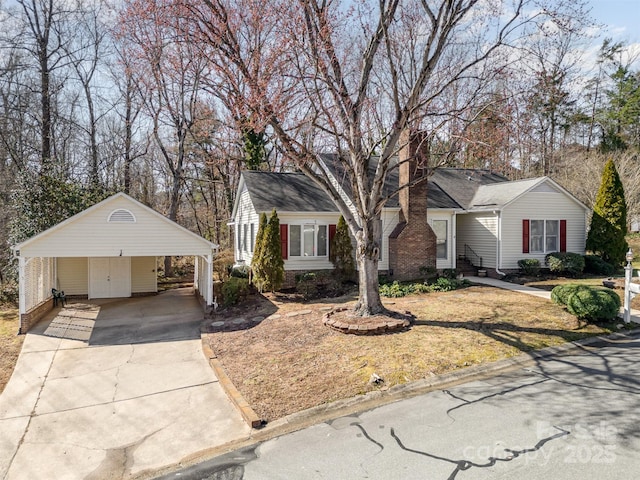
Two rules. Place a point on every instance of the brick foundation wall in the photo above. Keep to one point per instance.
(33, 316)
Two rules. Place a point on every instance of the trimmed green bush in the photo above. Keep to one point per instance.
(566, 263)
(596, 265)
(529, 266)
(561, 293)
(586, 302)
(234, 289)
(594, 304)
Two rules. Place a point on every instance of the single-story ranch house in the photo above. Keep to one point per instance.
(106, 251)
(475, 215)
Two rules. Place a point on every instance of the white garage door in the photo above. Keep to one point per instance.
(109, 277)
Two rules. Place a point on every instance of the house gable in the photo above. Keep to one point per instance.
(136, 230)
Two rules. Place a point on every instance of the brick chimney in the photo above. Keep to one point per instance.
(412, 244)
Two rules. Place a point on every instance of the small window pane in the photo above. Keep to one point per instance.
(536, 244)
(253, 237)
(537, 227)
(322, 240)
(294, 240)
(552, 227)
(309, 233)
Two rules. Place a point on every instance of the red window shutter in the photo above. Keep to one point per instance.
(525, 236)
(284, 240)
(332, 233)
(563, 235)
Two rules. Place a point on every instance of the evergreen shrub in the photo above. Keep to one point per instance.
(529, 266)
(234, 290)
(586, 302)
(565, 263)
(597, 266)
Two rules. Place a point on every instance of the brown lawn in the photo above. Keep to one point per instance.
(10, 343)
(287, 364)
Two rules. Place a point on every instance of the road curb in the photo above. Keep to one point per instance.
(248, 415)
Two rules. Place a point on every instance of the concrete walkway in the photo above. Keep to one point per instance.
(492, 282)
(139, 396)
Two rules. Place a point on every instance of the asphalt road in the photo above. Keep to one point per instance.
(571, 416)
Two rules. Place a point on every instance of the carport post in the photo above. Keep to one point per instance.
(22, 301)
(209, 279)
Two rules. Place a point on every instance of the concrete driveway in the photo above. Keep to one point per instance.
(139, 395)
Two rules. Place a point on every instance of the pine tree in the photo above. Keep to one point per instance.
(609, 221)
(341, 251)
(256, 262)
(269, 274)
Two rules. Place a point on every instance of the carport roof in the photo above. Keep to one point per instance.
(117, 226)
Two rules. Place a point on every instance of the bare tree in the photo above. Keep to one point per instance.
(361, 91)
(169, 72)
(352, 76)
(45, 31)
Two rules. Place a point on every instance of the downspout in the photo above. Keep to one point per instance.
(498, 249)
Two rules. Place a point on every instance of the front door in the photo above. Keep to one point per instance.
(109, 277)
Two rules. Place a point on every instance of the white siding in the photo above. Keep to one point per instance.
(73, 275)
(143, 275)
(540, 205)
(91, 235)
(480, 232)
(246, 215)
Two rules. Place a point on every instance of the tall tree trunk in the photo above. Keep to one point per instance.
(128, 135)
(45, 110)
(367, 258)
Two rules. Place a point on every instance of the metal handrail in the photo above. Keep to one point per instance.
(472, 257)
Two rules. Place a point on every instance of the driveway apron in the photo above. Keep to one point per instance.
(139, 395)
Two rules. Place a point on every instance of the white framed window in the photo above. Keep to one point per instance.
(252, 237)
(544, 236)
(441, 228)
(308, 240)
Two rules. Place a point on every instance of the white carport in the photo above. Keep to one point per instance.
(108, 250)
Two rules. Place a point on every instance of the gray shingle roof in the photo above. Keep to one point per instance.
(448, 188)
(498, 195)
(462, 184)
(286, 192)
